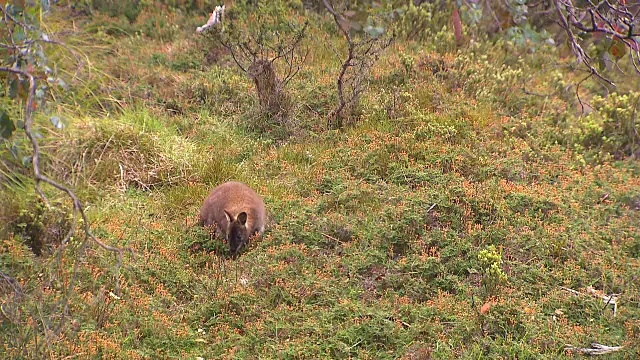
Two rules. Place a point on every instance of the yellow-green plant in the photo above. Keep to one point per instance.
(492, 273)
(611, 130)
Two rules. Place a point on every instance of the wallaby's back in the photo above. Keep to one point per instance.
(234, 198)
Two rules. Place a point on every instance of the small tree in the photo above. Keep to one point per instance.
(365, 43)
(258, 37)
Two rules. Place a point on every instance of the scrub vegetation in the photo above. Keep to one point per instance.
(447, 212)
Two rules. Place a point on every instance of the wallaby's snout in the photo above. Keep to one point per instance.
(236, 211)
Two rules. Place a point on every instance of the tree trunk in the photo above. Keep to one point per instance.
(267, 85)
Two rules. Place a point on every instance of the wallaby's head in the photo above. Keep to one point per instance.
(237, 233)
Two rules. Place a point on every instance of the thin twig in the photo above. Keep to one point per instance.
(330, 237)
(599, 22)
(345, 64)
(430, 208)
(580, 54)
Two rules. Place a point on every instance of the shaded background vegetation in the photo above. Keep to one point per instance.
(464, 187)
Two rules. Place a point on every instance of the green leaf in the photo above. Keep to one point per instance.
(374, 32)
(19, 35)
(14, 150)
(14, 10)
(26, 160)
(7, 127)
(13, 88)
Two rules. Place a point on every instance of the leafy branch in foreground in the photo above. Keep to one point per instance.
(36, 309)
(39, 177)
(25, 58)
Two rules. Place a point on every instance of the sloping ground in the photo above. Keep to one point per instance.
(444, 223)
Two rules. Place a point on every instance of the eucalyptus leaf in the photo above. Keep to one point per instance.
(19, 35)
(7, 127)
(14, 150)
(13, 9)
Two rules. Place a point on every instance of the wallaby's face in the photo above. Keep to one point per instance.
(237, 232)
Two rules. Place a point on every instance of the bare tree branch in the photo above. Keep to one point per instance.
(580, 54)
(616, 22)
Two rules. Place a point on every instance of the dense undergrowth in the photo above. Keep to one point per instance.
(443, 222)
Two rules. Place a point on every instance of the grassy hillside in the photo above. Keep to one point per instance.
(443, 221)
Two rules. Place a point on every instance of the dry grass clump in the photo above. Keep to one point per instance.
(136, 150)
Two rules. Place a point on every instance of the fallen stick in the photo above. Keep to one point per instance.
(595, 349)
(607, 299)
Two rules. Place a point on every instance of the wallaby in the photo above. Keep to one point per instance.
(236, 210)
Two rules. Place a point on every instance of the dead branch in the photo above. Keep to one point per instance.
(595, 349)
(215, 18)
(580, 54)
(345, 64)
(609, 300)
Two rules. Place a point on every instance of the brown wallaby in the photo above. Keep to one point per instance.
(236, 210)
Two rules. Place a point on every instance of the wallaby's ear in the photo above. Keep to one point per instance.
(230, 218)
(242, 218)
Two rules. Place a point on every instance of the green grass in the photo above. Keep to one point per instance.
(372, 246)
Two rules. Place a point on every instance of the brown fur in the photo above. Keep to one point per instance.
(224, 208)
